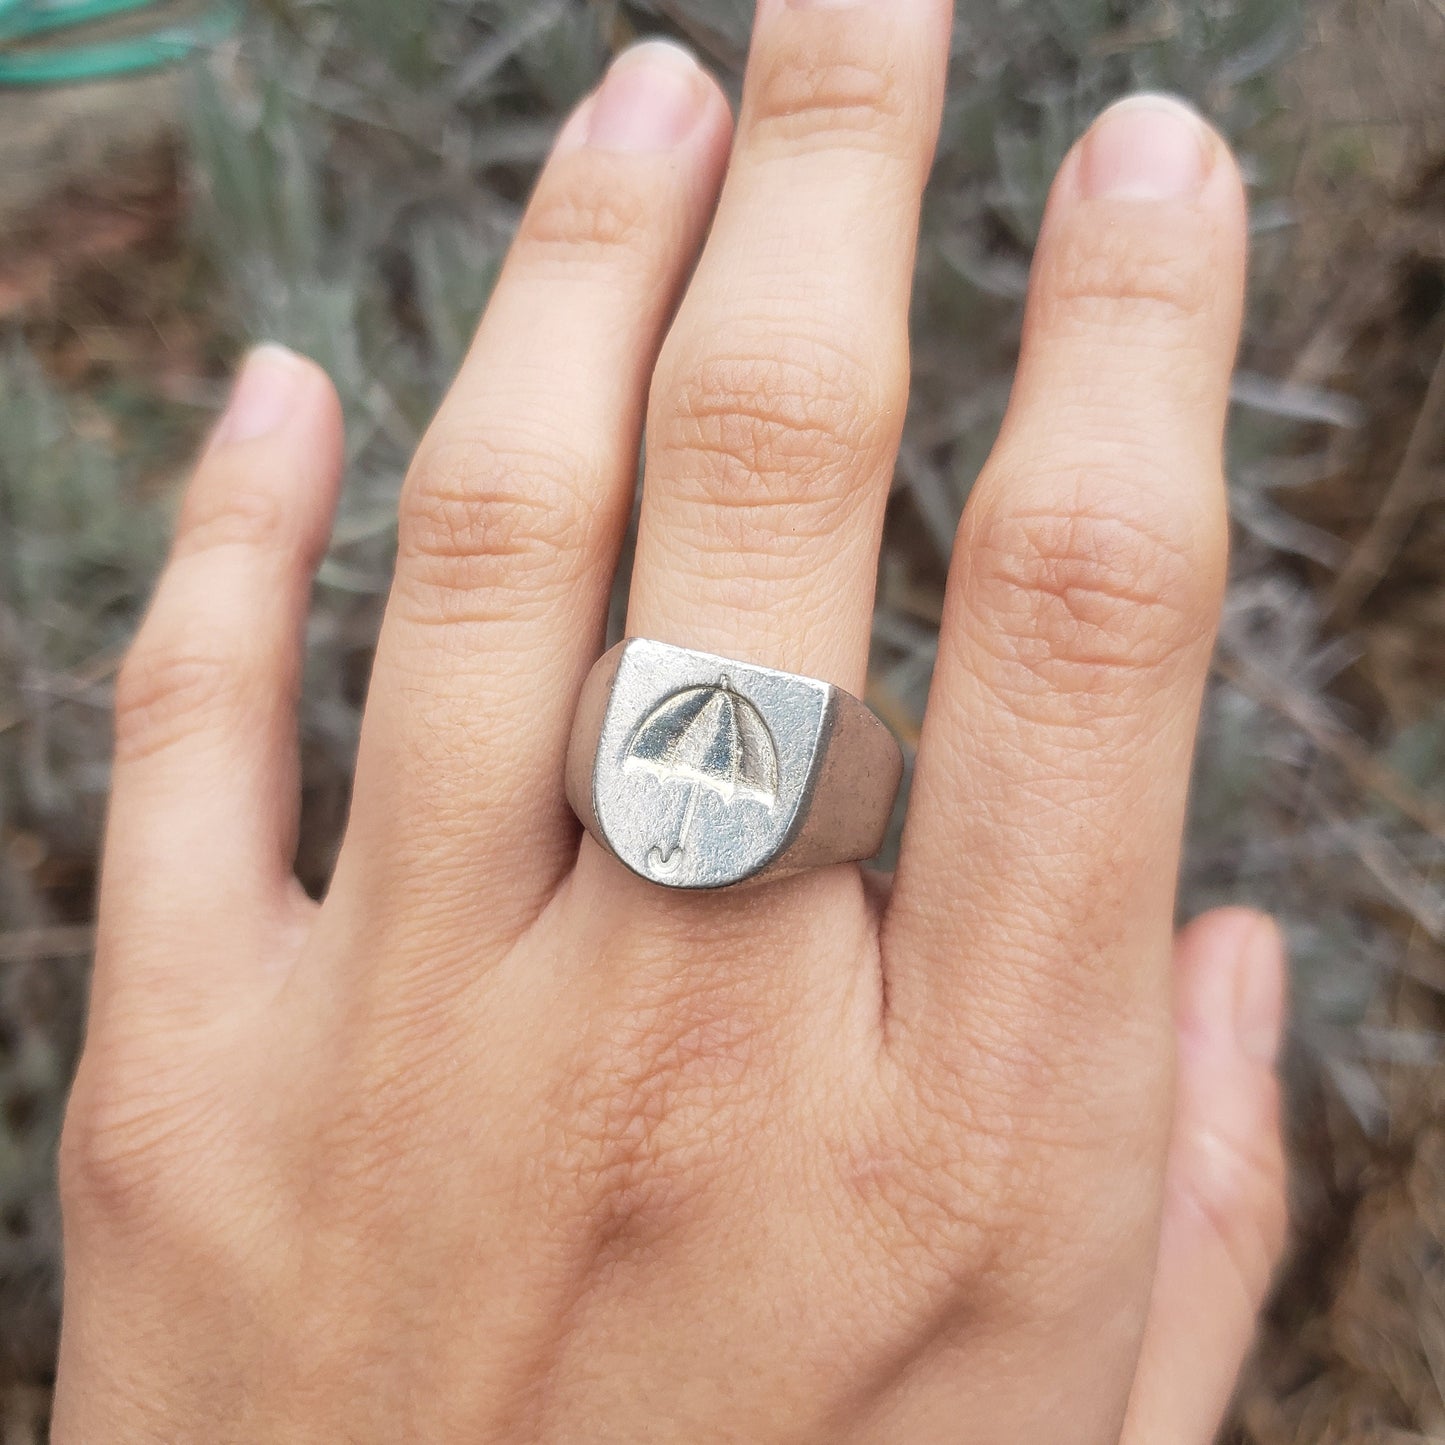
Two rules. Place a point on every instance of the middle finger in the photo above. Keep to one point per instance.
(779, 401)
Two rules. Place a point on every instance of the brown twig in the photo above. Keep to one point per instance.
(94, 670)
(616, 30)
(894, 711)
(1407, 493)
(1362, 767)
(27, 945)
(705, 37)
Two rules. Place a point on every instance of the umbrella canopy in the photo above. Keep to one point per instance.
(713, 737)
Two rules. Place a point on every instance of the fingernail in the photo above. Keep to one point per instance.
(263, 396)
(1259, 993)
(650, 100)
(1146, 148)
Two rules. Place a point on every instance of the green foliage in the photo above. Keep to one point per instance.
(76, 552)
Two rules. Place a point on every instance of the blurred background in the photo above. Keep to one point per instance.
(177, 180)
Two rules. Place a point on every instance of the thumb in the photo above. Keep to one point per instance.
(1224, 1214)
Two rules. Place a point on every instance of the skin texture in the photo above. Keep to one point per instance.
(499, 1143)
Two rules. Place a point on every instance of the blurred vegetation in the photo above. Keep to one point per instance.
(353, 171)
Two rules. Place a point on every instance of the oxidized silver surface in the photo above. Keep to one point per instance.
(701, 772)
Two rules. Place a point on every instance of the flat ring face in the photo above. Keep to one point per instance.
(704, 767)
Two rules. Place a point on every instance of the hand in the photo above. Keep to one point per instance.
(500, 1143)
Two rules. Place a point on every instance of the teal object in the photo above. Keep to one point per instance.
(63, 64)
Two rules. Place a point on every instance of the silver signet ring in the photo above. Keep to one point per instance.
(701, 772)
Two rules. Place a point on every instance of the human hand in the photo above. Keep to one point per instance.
(500, 1143)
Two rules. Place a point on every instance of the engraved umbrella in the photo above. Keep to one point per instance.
(712, 739)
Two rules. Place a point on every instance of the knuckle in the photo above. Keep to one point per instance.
(798, 425)
(1241, 1201)
(590, 210)
(831, 86)
(1093, 273)
(970, 1198)
(643, 1147)
(165, 691)
(1022, 1164)
(114, 1158)
(358, 1141)
(239, 512)
(1014, 1198)
(904, 1185)
(482, 522)
(1093, 592)
(620, 1158)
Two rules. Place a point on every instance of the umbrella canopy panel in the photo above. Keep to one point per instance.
(712, 737)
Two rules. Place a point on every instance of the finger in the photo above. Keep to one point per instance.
(513, 514)
(1224, 1209)
(779, 401)
(1034, 903)
(205, 791)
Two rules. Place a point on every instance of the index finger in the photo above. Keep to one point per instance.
(513, 515)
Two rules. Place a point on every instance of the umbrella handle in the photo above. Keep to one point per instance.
(671, 862)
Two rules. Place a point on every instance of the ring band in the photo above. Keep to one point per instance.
(702, 772)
